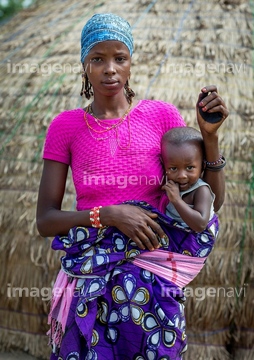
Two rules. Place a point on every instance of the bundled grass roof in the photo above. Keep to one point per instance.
(179, 47)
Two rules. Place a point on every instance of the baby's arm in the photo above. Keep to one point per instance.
(198, 216)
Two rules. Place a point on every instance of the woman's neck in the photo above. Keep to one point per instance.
(112, 107)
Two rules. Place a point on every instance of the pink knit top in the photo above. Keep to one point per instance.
(117, 165)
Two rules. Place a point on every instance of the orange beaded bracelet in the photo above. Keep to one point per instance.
(95, 217)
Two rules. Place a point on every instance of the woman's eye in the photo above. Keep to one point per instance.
(173, 168)
(120, 59)
(96, 59)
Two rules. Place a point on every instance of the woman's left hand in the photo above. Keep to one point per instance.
(210, 103)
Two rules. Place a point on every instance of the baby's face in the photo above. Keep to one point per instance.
(182, 163)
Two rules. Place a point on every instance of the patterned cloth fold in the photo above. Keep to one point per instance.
(177, 268)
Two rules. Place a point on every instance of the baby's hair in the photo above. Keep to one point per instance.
(180, 135)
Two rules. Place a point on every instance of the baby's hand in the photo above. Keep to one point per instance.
(172, 190)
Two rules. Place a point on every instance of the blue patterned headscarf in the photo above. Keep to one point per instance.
(102, 27)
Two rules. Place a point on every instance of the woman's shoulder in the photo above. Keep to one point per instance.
(163, 111)
(61, 133)
(159, 106)
(67, 122)
(155, 104)
(72, 116)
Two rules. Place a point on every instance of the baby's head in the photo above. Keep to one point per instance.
(179, 135)
(182, 152)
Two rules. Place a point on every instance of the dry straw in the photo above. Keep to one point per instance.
(179, 47)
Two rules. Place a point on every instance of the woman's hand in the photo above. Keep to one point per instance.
(135, 222)
(210, 103)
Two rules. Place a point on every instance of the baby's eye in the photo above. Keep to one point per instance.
(191, 167)
(173, 168)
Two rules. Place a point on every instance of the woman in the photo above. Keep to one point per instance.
(108, 307)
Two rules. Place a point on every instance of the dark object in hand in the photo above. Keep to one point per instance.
(210, 117)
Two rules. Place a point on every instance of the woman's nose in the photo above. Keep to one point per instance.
(109, 68)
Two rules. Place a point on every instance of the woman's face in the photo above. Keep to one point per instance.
(108, 67)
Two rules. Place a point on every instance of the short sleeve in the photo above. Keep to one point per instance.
(172, 117)
(57, 141)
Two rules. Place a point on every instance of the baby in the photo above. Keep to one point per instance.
(190, 198)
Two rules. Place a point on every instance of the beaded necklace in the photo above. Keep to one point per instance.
(105, 129)
(98, 121)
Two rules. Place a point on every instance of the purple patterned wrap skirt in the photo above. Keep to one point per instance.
(106, 307)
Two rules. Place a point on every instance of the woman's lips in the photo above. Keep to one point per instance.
(110, 84)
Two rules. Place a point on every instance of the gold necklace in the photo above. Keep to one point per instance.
(108, 128)
(104, 129)
(98, 121)
(90, 110)
(91, 129)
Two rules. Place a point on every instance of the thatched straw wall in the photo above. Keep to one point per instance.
(179, 47)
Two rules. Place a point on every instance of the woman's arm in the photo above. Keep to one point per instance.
(136, 223)
(216, 179)
(212, 103)
(51, 220)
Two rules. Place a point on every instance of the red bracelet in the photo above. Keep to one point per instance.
(95, 217)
